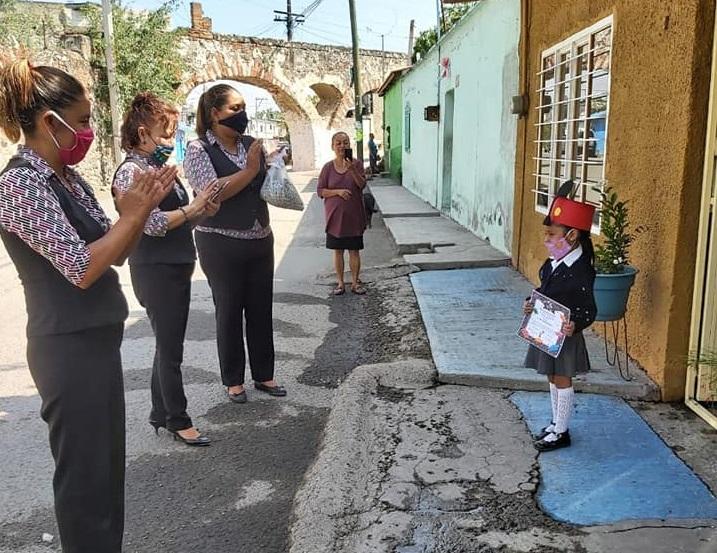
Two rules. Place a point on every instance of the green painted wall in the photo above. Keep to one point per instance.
(393, 127)
(465, 164)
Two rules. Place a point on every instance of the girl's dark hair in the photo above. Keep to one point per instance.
(144, 111)
(25, 91)
(586, 242)
(215, 97)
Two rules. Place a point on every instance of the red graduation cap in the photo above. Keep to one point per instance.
(569, 213)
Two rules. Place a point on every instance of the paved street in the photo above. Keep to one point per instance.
(235, 495)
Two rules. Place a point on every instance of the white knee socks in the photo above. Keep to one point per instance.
(566, 399)
(554, 404)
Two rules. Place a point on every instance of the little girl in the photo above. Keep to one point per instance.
(566, 277)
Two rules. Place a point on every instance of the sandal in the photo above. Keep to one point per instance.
(358, 290)
(338, 291)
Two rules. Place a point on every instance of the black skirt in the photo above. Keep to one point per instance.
(573, 358)
(351, 243)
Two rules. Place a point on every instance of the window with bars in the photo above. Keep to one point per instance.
(573, 113)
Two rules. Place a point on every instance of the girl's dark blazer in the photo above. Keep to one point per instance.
(572, 287)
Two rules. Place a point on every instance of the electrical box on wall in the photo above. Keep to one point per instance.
(432, 113)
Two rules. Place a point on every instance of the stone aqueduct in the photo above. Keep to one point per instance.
(310, 82)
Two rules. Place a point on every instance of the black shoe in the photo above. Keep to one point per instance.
(157, 425)
(199, 441)
(276, 391)
(241, 397)
(544, 432)
(563, 440)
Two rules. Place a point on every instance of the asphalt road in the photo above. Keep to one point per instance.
(237, 494)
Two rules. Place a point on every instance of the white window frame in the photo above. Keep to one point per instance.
(570, 47)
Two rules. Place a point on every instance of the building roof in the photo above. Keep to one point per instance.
(392, 76)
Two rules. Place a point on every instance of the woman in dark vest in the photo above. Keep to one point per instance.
(236, 246)
(162, 264)
(63, 246)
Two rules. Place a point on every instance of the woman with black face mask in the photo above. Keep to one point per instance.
(235, 246)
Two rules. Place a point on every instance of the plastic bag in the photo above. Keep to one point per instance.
(277, 189)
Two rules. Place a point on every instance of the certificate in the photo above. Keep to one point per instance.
(543, 328)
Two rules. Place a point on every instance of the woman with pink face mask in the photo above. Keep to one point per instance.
(566, 277)
(63, 246)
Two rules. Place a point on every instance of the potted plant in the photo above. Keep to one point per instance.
(615, 276)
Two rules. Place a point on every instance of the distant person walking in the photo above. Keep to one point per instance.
(372, 154)
(341, 185)
(63, 246)
(162, 264)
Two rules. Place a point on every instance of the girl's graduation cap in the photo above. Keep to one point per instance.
(567, 212)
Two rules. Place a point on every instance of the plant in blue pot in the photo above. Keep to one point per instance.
(615, 276)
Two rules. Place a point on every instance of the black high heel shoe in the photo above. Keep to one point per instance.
(197, 442)
(157, 425)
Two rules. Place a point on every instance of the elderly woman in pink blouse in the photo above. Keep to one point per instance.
(341, 185)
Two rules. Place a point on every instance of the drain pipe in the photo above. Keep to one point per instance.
(439, 35)
(524, 89)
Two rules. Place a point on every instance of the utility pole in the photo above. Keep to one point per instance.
(411, 39)
(291, 19)
(111, 77)
(358, 112)
(383, 60)
(289, 22)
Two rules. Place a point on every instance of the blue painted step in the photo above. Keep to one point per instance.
(617, 468)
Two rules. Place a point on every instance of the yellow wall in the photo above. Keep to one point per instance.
(660, 73)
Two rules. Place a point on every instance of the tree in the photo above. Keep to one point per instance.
(427, 39)
(146, 55)
(270, 114)
(20, 28)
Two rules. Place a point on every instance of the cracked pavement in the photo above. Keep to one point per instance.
(415, 467)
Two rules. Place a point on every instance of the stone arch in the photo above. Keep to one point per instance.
(309, 82)
(330, 99)
(298, 120)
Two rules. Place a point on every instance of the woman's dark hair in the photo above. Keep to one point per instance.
(215, 97)
(144, 111)
(25, 91)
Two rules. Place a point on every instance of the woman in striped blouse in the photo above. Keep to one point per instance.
(162, 264)
(63, 247)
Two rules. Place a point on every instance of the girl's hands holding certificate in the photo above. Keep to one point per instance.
(527, 307)
(569, 328)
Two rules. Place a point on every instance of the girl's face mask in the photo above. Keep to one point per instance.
(83, 141)
(558, 248)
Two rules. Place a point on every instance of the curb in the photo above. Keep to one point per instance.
(337, 487)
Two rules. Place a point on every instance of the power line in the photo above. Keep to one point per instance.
(292, 19)
(325, 31)
(311, 8)
(332, 40)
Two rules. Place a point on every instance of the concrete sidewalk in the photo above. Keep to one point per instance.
(424, 237)
(472, 317)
